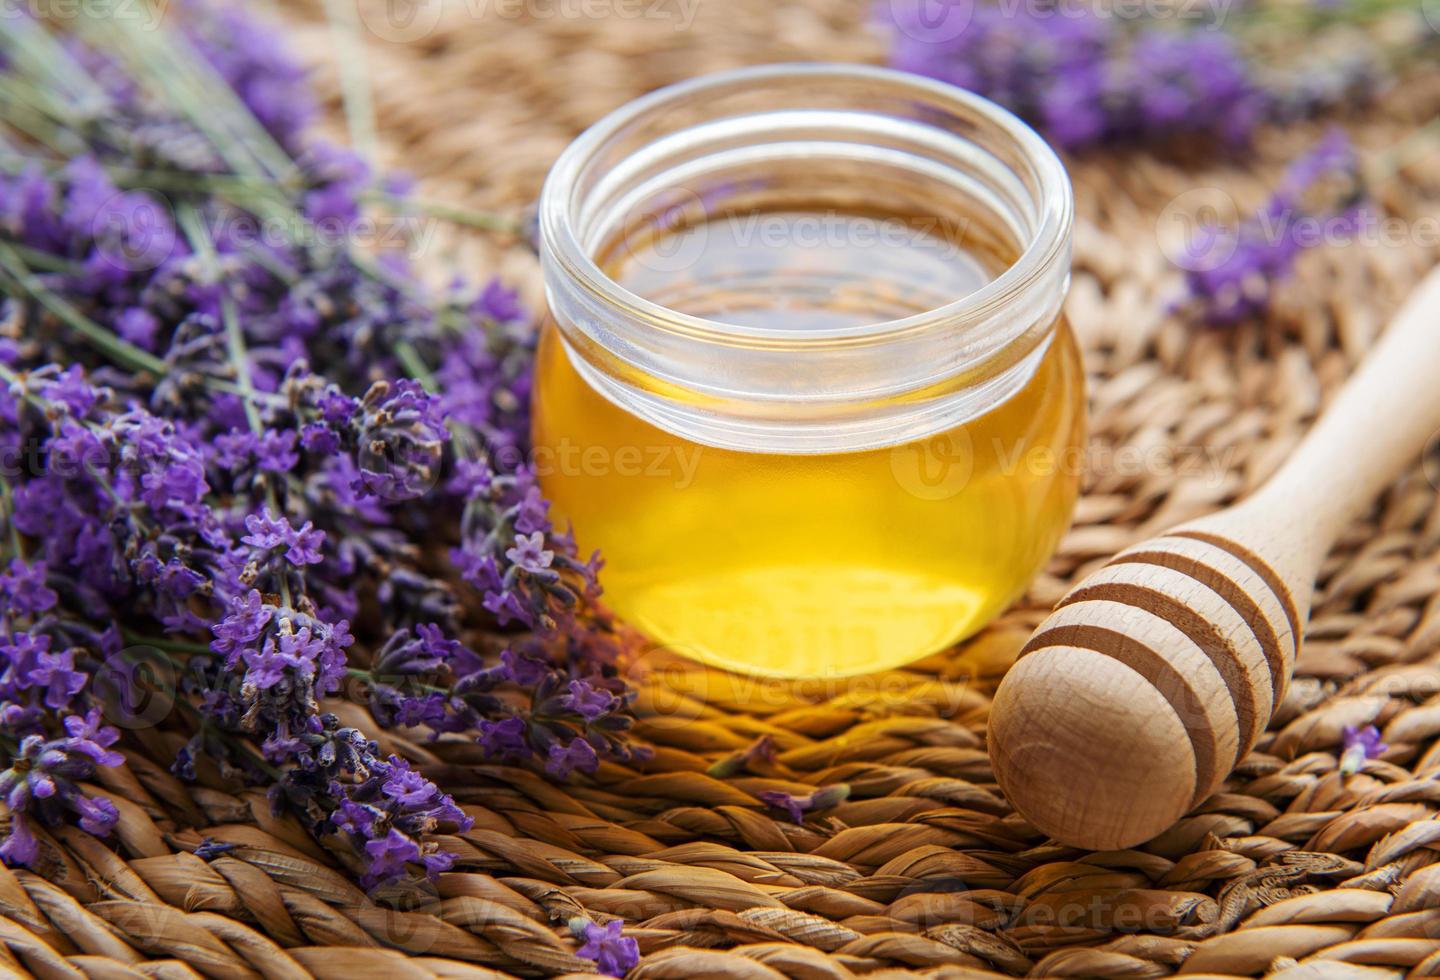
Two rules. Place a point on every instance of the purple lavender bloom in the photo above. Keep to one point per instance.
(614, 953)
(341, 177)
(587, 700)
(402, 434)
(578, 754)
(164, 501)
(385, 814)
(69, 388)
(275, 451)
(305, 549)
(499, 302)
(23, 588)
(337, 408)
(1231, 274)
(355, 818)
(244, 622)
(234, 450)
(20, 656)
(388, 856)
(1360, 744)
(57, 674)
(797, 806)
(267, 532)
(1082, 77)
(97, 815)
(530, 553)
(319, 439)
(271, 533)
(406, 786)
(85, 735)
(137, 325)
(504, 739)
(19, 848)
(521, 669)
(42, 783)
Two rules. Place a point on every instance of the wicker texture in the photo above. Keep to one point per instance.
(924, 871)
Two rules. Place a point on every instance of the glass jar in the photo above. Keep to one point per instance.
(805, 382)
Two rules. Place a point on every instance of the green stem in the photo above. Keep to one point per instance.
(369, 677)
(454, 213)
(415, 365)
(7, 513)
(229, 187)
(354, 77)
(211, 105)
(37, 126)
(236, 350)
(14, 269)
(46, 262)
(33, 49)
(127, 354)
(164, 643)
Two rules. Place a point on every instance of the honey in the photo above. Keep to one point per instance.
(817, 408)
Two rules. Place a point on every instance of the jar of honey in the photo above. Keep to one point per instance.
(805, 382)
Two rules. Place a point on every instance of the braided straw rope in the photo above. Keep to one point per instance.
(924, 871)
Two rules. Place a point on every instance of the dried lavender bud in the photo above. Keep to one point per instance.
(798, 806)
(1359, 745)
(614, 953)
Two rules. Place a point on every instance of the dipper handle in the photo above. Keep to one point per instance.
(1155, 675)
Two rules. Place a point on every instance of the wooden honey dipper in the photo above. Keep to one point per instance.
(1155, 675)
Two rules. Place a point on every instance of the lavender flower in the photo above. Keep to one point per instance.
(401, 431)
(1359, 745)
(23, 588)
(503, 553)
(41, 782)
(387, 815)
(577, 754)
(614, 953)
(798, 806)
(1082, 78)
(272, 535)
(1231, 274)
(194, 476)
(263, 74)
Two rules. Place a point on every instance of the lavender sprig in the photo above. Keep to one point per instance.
(1231, 273)
(1087, 77)
(190, 473)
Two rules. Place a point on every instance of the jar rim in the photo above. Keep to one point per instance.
(1047, 243)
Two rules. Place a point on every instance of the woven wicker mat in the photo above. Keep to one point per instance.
(924, 871)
